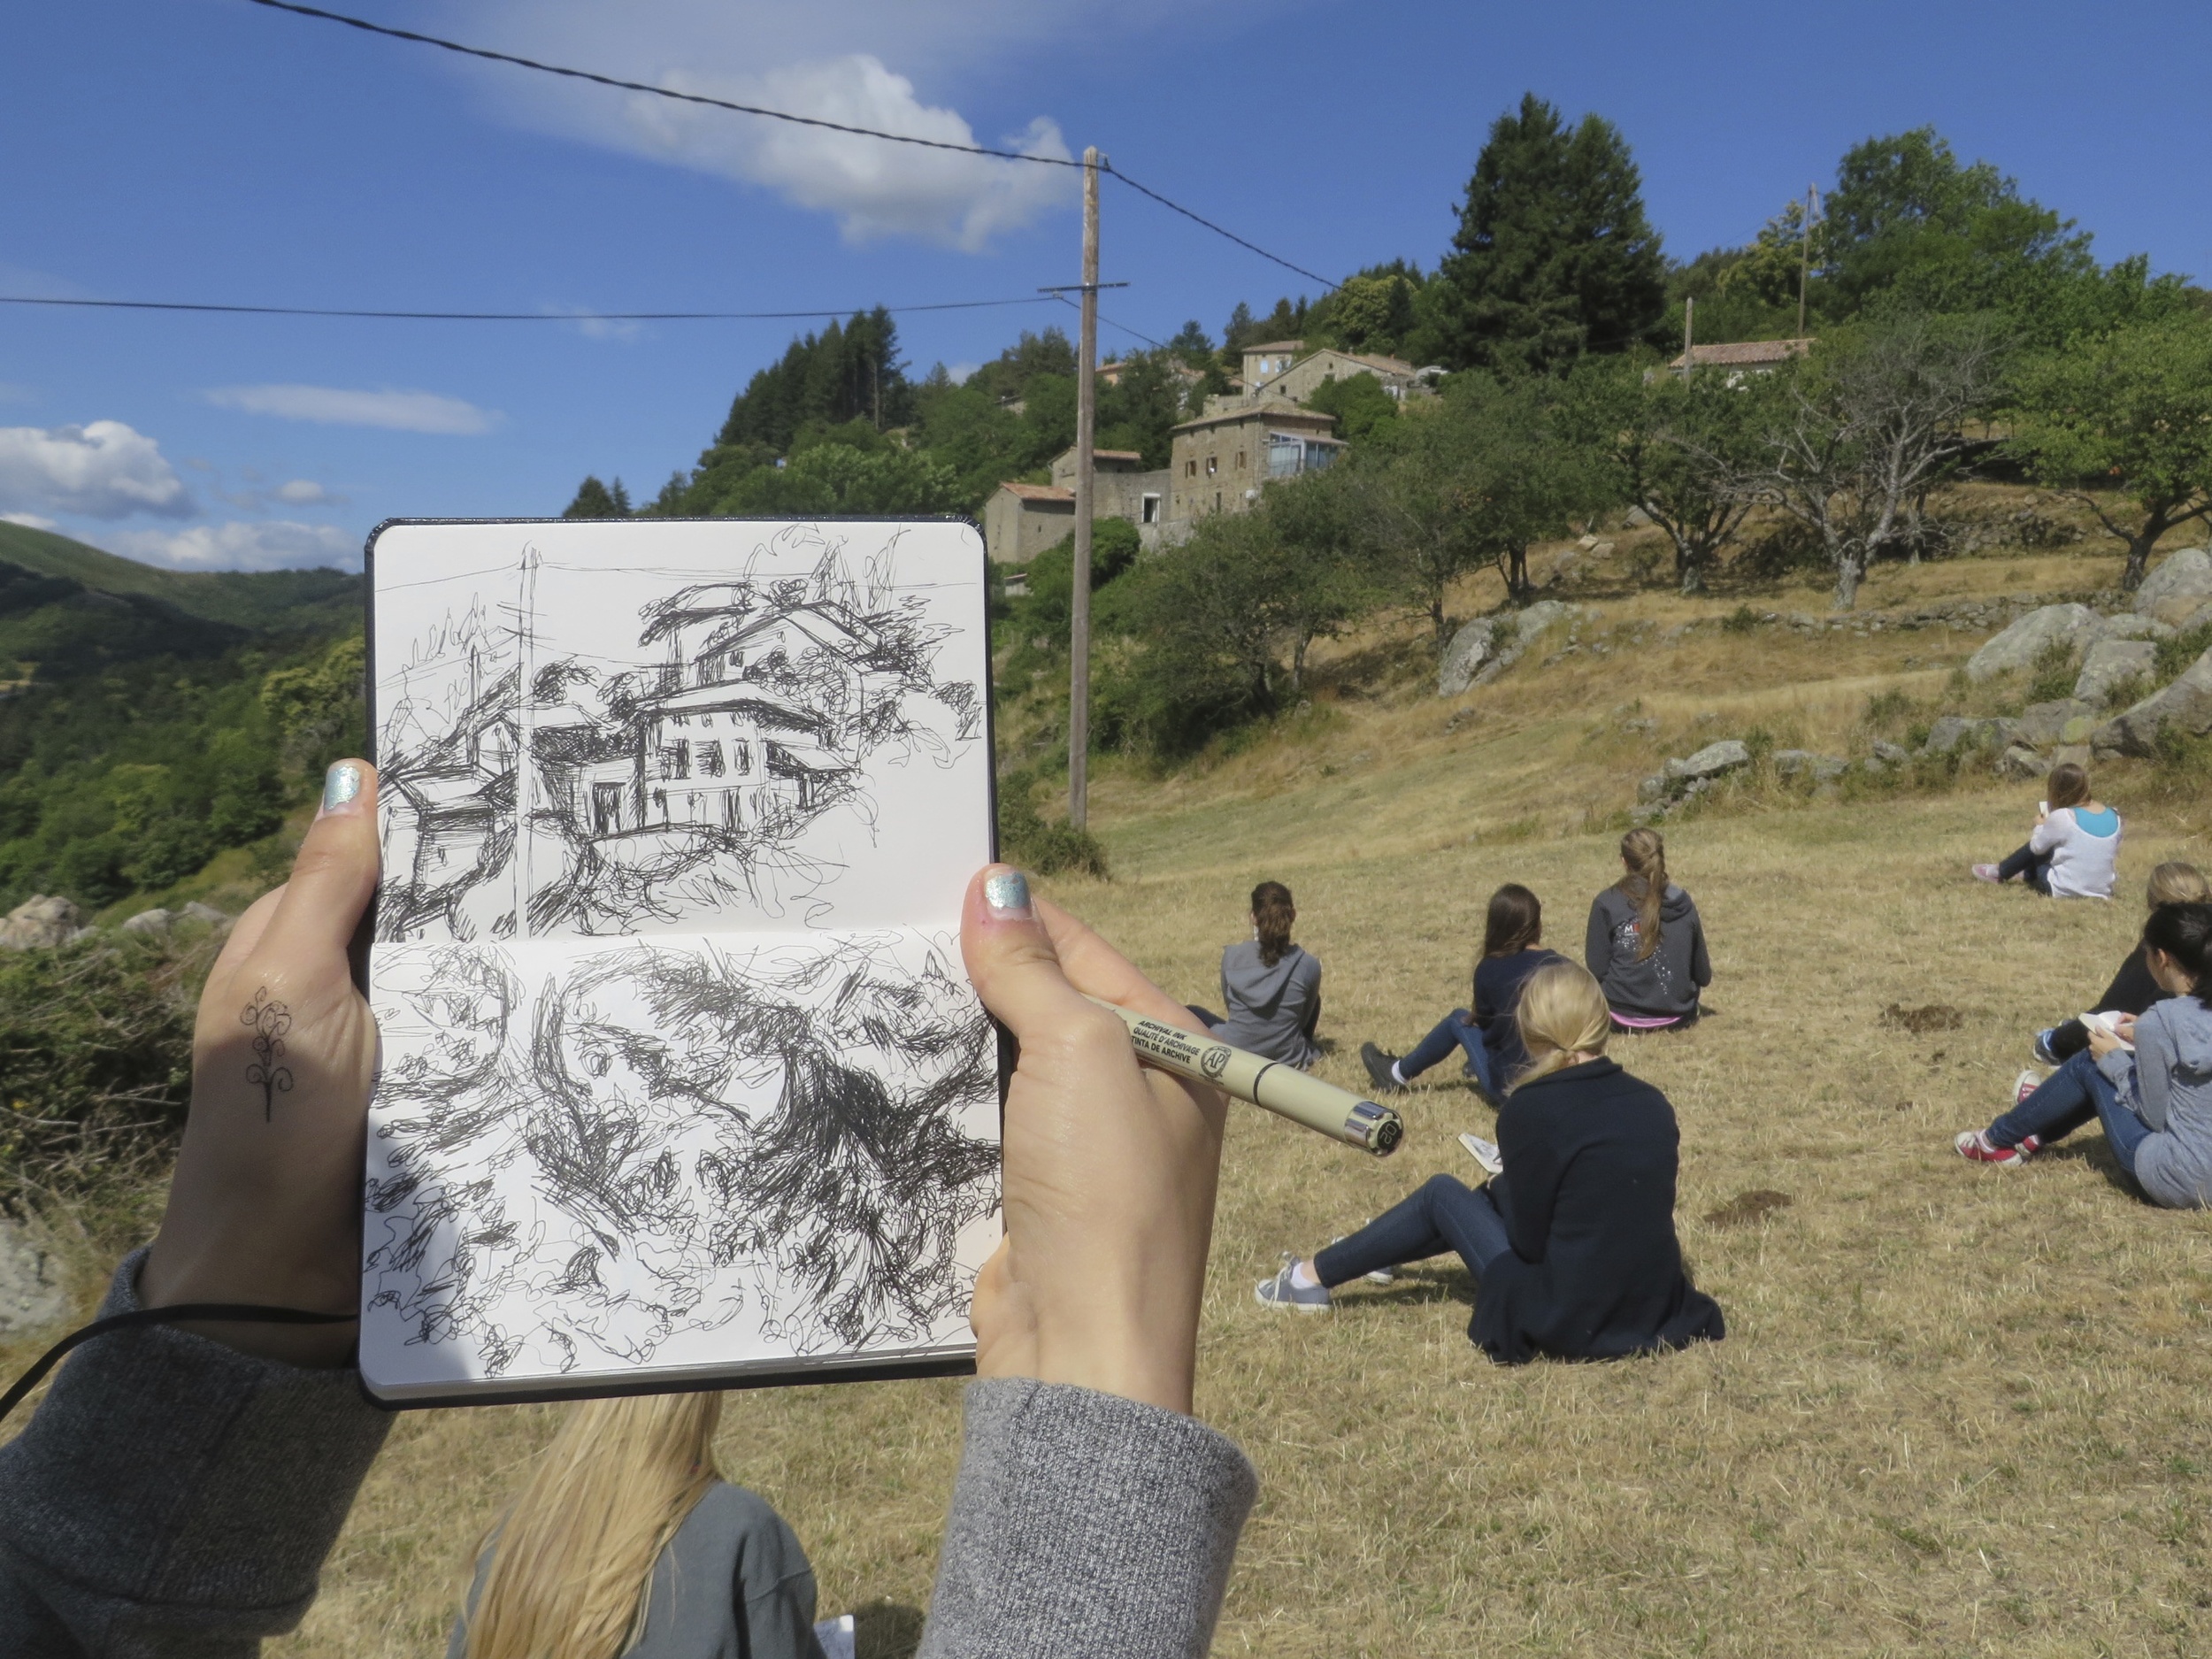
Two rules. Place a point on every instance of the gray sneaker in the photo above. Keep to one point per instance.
(1278, 1292)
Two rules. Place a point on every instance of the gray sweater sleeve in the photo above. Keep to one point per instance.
(2153, 1067)
(1085, 1524)
(174, 1497)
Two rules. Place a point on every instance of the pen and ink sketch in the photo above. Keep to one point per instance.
(657, 1140)
(651, 1091)
(675, 779)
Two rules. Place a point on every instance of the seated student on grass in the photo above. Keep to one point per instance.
(2156, 1102)
(1270, 987)
(1645, 943)
(627, 1541)
(2073, 850)
(1572, 1248)
(1512, 949)
(2132, 989)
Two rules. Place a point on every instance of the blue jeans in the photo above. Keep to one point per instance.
(2029, 863)
(1454, 1031)
(2070, 1097)
(1442, 1214)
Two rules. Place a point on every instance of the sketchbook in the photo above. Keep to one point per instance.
(681, 1082)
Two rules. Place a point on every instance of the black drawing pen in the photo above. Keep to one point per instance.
(1282, 1089)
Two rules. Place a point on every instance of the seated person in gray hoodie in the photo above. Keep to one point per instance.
(2156, 1102)
(1645, 943)
(1270, 987)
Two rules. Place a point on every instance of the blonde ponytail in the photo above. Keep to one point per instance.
(1562, 1011)
(572, 1567)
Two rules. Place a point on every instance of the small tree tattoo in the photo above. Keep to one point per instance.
(270, 1021)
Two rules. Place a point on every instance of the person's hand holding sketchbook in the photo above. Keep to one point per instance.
(1110, 1166)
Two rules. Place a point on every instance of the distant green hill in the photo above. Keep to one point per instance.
(275, 602)
(152, 720)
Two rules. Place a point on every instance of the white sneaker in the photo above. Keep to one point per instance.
(1485, 1153)
(2026, 1085)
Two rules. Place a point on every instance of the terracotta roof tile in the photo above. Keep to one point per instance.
(1745, 351)
(1040, 492)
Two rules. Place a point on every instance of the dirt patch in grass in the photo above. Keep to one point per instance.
(1921, 1021)
(1749, 1207)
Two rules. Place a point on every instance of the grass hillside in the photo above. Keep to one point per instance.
(262, 601)
(1959, 1411)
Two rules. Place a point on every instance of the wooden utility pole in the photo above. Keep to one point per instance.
(1086, 439)
(1805, 253)
(1689, 331)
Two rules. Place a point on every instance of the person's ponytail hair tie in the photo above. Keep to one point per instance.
(1562, 1011)
(1272, 913)
(2183, 932)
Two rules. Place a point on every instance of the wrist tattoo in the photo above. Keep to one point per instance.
(270, 1021)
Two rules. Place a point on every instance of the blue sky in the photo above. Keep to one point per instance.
(213, 149)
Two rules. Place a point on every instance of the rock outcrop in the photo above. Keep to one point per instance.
(2178, 588)
(2027, 639)
(40, 923)
(1486, 647)
(31, 1290)
(2111, 663)
(2186, 704)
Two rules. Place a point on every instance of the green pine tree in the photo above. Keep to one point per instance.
(1554, 256)
(595, 500)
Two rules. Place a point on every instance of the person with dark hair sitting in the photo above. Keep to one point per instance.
(2148, 1077)
(2132, 989)
(1270, 986)
(1512, 949)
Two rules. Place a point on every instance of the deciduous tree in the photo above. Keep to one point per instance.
(2129, 413)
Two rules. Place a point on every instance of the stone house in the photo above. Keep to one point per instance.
(1218, 462)
(1263, 362)
(1741, 357)
(1022, 520)
(1303, 378)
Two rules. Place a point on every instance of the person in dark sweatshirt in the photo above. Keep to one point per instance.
(1572, 1248)
(179, 1487)
(2155, 1101)
(2132, 989)
(1645, 943)
(1512, 949)
(1270, 986)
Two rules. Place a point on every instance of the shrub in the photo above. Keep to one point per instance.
(1047, 848)
(1742, 619)
(1888, 709)
(2176, 655)
(96, 1056)
(2052, 674)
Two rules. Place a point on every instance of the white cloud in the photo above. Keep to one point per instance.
(240, 546)
(28, 521)
(871, 188)
(305, 492)
(102, 470)
(336, 406)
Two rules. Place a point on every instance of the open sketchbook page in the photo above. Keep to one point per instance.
(681, 1076)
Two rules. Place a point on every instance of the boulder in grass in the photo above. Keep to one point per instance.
(2111, 663)
(40, 923)
(2027, 639)
(1470, 650)
(1888, 755)
(2134, 627)
(2020, 761)
(1712, 761)
(2040, 723)
(151, 923)
(2178, 588)
(206, 914)
(2186, 705)
(32, 1294)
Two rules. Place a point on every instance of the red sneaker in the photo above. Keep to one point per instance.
(1975, 1146)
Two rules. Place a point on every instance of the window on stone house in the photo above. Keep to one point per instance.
(1213, 464)
(709, 757)
(1239, 460)
(676, 760)
(740, 757)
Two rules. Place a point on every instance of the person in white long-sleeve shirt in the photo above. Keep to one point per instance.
(2074, 850)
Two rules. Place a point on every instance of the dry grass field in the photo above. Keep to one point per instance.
(1959, 1411)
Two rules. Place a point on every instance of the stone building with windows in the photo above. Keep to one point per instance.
(1219, 462)
(1022, 520)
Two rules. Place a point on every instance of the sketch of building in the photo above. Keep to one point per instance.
(678, 781)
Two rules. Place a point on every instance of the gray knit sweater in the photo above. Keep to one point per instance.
(173, 1499)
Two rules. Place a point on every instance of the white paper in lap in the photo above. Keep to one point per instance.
(680, 1074)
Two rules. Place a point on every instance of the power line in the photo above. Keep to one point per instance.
(616, 82)
(366, 26)
(1110, 323)
(510, 317)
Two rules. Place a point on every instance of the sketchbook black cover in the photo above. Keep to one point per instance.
(681, 1081)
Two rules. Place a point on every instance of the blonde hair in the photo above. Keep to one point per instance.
(1562, 1011)
(1645, 853)
(2176, 883)
(572, 1564)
